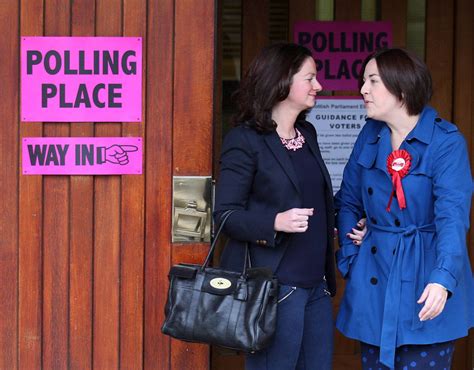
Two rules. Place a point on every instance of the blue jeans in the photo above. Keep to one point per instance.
(304, 333)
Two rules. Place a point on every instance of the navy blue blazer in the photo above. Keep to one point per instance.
(258, 180)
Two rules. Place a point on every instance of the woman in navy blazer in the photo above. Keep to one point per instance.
(273, 176)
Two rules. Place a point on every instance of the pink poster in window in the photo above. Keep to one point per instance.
(339, 48)
(82, 155)
(81, 79)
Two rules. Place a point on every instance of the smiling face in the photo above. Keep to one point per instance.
(304, 87)
(380, 103)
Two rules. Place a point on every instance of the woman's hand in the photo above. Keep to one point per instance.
(358, 234)
(294, 220)
(434, 296)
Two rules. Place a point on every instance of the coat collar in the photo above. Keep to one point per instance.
(423, 130)
(379, 146)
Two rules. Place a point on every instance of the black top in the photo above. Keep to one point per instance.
(304, 260)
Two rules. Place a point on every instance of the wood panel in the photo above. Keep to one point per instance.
(193, 109)
(440, 31)
(347, 10)
(158, 149)
(107, 231)
(255, 27)
(30, 256)
(10, 14)
(217, 119)
(82, 227)
(56, 204)
(132, 221)
(300, 10)
(463, 93)
(396, 13)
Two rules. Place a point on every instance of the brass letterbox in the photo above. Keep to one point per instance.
(192, 209)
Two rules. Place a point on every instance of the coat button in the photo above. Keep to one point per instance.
(373, 281)
(373, 249)
(437, 119)
(397, 222)
(370, 191)
(264, 242)
(373, 220)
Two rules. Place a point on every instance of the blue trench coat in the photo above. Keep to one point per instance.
(406, 249)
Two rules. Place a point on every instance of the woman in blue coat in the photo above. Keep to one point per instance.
(273, 177)
(410, 290)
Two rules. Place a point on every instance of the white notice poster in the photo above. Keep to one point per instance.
(338, 121)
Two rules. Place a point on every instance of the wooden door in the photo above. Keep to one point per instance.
(84, 259)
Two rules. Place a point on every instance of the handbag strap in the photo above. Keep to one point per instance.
(224, 218)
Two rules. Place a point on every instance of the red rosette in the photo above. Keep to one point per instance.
(398, 165)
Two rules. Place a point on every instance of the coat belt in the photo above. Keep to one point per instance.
(409, 248)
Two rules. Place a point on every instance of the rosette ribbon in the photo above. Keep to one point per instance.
(398, 165)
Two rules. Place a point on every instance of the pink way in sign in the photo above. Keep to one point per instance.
(82, 155)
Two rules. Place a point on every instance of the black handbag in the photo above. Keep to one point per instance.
(220, 307)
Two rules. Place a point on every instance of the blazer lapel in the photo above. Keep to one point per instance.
(273, 141)
(311, 140)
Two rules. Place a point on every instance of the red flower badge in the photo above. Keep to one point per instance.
(398, 165)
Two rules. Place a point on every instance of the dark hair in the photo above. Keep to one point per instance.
(267, 82)
(405, 75)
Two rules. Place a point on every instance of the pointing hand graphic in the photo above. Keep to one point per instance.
(116, 154)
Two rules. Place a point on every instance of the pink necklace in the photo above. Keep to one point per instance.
(295, 143)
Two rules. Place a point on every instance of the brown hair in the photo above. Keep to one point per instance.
(405, 75)
(267, 82)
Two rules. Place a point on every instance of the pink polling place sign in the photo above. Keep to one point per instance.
(82, 155)
(339, 48)
(81, 79)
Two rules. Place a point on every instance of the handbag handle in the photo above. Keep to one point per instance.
(247, 262)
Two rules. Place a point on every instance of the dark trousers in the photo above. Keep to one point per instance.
(411, 357)
(304, 333)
